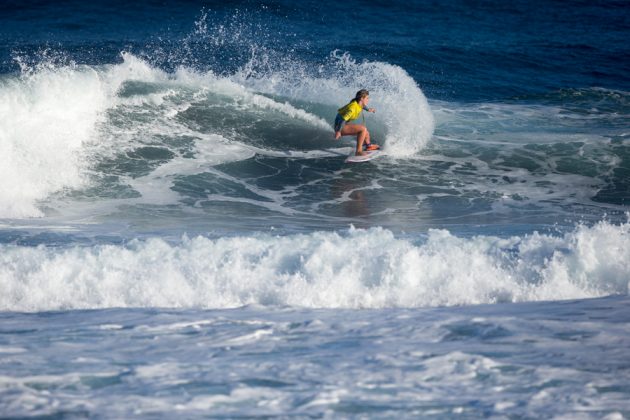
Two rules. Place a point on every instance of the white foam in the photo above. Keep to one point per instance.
(248, 338)
(264, 398)
(45, 118)
(12, 350)
(319, 270)
(48, 117)
(111, 327)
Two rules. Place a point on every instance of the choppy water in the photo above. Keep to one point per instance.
(169, 184)
(529, 360)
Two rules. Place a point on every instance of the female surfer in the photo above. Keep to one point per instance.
(352, 111)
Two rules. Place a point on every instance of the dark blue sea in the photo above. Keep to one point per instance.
(180, 236)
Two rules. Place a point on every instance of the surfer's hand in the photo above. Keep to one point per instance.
(372, 110)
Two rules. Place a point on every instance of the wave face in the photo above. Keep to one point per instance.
(356, 269)
(132, 120)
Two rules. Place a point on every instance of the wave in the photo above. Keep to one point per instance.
(63, 126)
(356, 269)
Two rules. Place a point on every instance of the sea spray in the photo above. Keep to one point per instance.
(403, 122)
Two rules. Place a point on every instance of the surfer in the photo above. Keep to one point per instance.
(350, 112)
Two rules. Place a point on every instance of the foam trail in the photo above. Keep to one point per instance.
(317, 270)
(155, 187)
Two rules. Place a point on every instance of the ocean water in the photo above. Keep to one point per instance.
(180, 236)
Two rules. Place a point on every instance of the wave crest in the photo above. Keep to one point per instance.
(320, 270)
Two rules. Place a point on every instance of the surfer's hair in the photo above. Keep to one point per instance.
(361, 94)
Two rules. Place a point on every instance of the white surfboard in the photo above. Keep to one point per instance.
(368, 155)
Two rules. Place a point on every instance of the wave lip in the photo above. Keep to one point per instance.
(319, 270)
(48, 116)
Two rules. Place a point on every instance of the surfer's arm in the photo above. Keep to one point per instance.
(365, 108)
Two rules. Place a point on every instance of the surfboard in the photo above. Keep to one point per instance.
(369, 155)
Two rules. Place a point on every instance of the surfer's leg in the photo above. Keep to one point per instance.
(361, 137)
(356, 129)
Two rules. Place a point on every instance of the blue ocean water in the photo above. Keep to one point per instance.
(180, 235)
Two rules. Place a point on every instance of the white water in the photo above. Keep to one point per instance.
(319, 270)
(45, 119)
(49, 120)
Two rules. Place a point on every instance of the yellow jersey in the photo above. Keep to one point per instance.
(352, 111)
